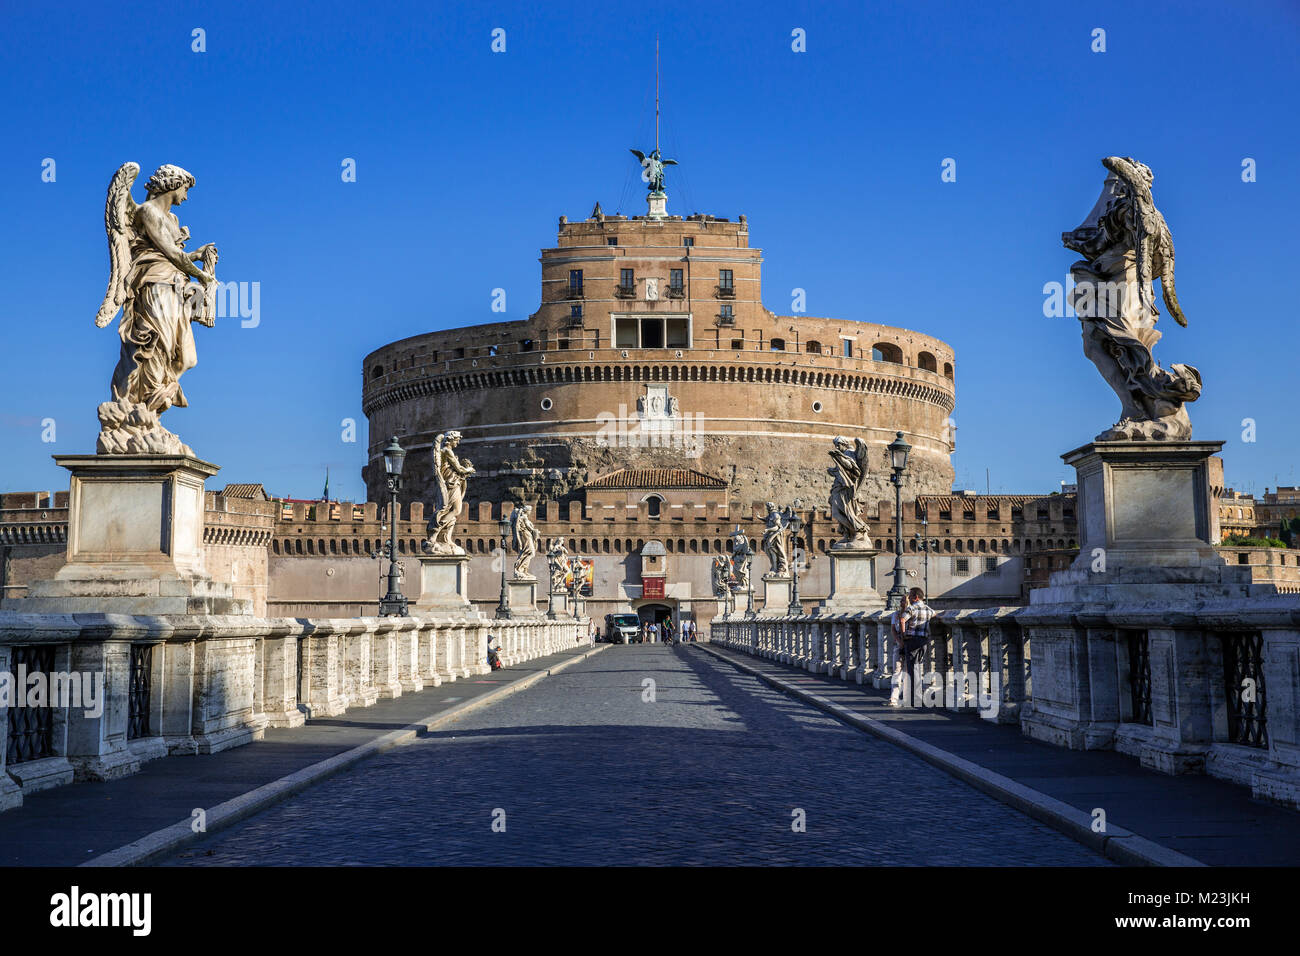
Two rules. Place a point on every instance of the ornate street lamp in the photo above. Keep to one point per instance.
(503, 606)
(926, 544)
(394, 602)
(898, 450)
(796, 529)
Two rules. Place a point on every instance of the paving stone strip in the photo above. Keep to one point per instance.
(129, 821)
(1189, 820)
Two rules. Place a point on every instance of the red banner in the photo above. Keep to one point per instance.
(652, 587)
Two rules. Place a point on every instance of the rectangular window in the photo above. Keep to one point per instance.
(562, 344)
(725, 280)
(726, 313)
(575, 312)
(652, 333)
(963, 565)
(626, 334)
(739, 346)
(626, 278)
(674, 278)
(612, 241)
(990, 564)
(679, 334)
(688, 240)
(848, 347)
(575, 280)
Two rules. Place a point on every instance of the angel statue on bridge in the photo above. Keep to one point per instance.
(524, 537)
(451, 477)
(149, 273)
(849, 472)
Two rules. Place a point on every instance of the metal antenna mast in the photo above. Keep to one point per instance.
(656, 92)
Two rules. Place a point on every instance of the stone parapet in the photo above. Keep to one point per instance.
(124, 689)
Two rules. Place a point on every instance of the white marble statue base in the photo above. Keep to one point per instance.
(135, 541)
(444, 585)
(853, 582)
(776, 595)
(523, 597)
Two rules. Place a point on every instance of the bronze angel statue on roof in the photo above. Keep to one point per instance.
(653, 168)
(149, 282)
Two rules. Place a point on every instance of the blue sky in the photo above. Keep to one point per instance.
(466, 158)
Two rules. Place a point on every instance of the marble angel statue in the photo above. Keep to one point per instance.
(149, 283)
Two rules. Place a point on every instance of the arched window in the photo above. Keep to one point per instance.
(377, 371)
(813, 348)
(887, 352)
(927, 361)
(947, 370)
(778, 345)
(653, 505)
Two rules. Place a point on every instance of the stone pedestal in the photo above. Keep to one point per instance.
(557, 608)
(657, 204)
(444, 585)
(1146, 520)
(523, 597)
(135, 541)
(853, 582)
(1147, 525)
(776, 595)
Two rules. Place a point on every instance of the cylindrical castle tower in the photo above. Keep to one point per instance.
(652, 349)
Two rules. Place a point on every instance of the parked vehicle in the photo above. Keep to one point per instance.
(622, 629)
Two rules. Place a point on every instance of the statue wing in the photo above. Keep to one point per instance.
(860, 451)
(1166, 266)
(119, 211)
(639, 155)
(669, 162)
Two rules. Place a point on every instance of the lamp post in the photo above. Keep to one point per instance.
(926, 544)
(898, 450)
(503, 606)
(796, 529)
(394, 602)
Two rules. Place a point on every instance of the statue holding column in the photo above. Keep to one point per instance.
(557, 560)
(524, 538)
(1126, 246)
(451, 478)
(721, 577)
(742, 554)
(149, 283)
(849, 472)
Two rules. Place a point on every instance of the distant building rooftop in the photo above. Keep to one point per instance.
(246, 490)
(658, 478)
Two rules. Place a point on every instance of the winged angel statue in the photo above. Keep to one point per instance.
(451, 478)
(849, 471)
(149, 273)
(1126, 246)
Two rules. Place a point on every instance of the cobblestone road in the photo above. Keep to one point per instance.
(587, 771)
